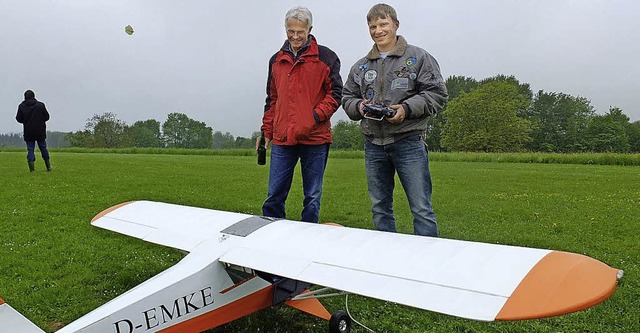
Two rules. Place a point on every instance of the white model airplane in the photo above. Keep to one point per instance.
(238, 264)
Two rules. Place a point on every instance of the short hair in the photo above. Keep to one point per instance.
(29, 94)
(301, 14)
(382, 10)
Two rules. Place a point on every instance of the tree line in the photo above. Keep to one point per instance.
(178, 131)
(54, 140)
(500, 114)
(496, 114)
(106, 130)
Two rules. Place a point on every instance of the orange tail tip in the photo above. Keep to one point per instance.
(560, 283)
(109, 210)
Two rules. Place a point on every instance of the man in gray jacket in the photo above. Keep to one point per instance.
(403, 81)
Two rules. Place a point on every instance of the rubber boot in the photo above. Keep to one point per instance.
(48, 164)
(32, 166)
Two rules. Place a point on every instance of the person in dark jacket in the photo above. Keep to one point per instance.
(33, 115)
(304, 89)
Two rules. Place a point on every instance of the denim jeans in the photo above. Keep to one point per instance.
(313, 161)
(409, 157)
(31, 147)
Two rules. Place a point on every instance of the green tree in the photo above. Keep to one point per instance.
(101, 131)
(486, 120)
(559, 122)
(245, 143)
(108, 131)
(608, 133)
(11, 140)
(433, 134)
(456, 85)
(174, 130)
(145, 133)
(523, 88)
(347, 135)
(80, 138)
(223, 140)
(633, 132)
(180, 131)
(57, 139)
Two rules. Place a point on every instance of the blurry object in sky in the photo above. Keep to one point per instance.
(129, 30)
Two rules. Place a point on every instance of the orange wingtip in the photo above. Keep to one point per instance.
(1, 301)
(109, 210)
(558, 284)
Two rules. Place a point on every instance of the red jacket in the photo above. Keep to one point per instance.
(302, 95)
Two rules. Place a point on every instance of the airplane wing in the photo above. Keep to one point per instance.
(467, 279)
(12, 319)
(175, 226)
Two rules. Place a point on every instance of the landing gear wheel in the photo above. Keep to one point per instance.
(340, 322)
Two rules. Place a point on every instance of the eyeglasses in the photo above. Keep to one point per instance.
(296, 32)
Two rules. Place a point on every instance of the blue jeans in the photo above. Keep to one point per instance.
(31, 147)
(409, 157)
(313, 161)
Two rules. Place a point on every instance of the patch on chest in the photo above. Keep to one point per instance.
(400, 83)
(370, 75)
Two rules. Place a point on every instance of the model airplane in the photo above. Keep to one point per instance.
(238, 264)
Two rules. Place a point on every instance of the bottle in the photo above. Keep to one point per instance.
(262, 150)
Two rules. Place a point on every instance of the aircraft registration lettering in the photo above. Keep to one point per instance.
(164, 313)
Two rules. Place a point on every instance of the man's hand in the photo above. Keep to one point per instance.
(361, 106)
(400, 114)
(266, 143)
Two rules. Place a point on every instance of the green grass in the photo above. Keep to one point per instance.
(55, 267)
(526, 157)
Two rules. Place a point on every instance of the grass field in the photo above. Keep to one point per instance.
(55, 267)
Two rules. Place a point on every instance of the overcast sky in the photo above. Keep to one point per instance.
(208, 59)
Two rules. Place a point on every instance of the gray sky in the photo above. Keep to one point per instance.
(208, 59)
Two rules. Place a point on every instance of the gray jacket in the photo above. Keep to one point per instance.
(409, 76)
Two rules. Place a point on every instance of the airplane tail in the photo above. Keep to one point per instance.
(12, 321)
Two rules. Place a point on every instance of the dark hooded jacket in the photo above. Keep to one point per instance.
(33, 115)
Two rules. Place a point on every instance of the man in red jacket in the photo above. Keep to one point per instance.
(33, 115)
(304, 89)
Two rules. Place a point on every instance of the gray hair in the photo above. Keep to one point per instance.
(301, 14)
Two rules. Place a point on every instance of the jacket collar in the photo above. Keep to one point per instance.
(398, 50)
(308, 49)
